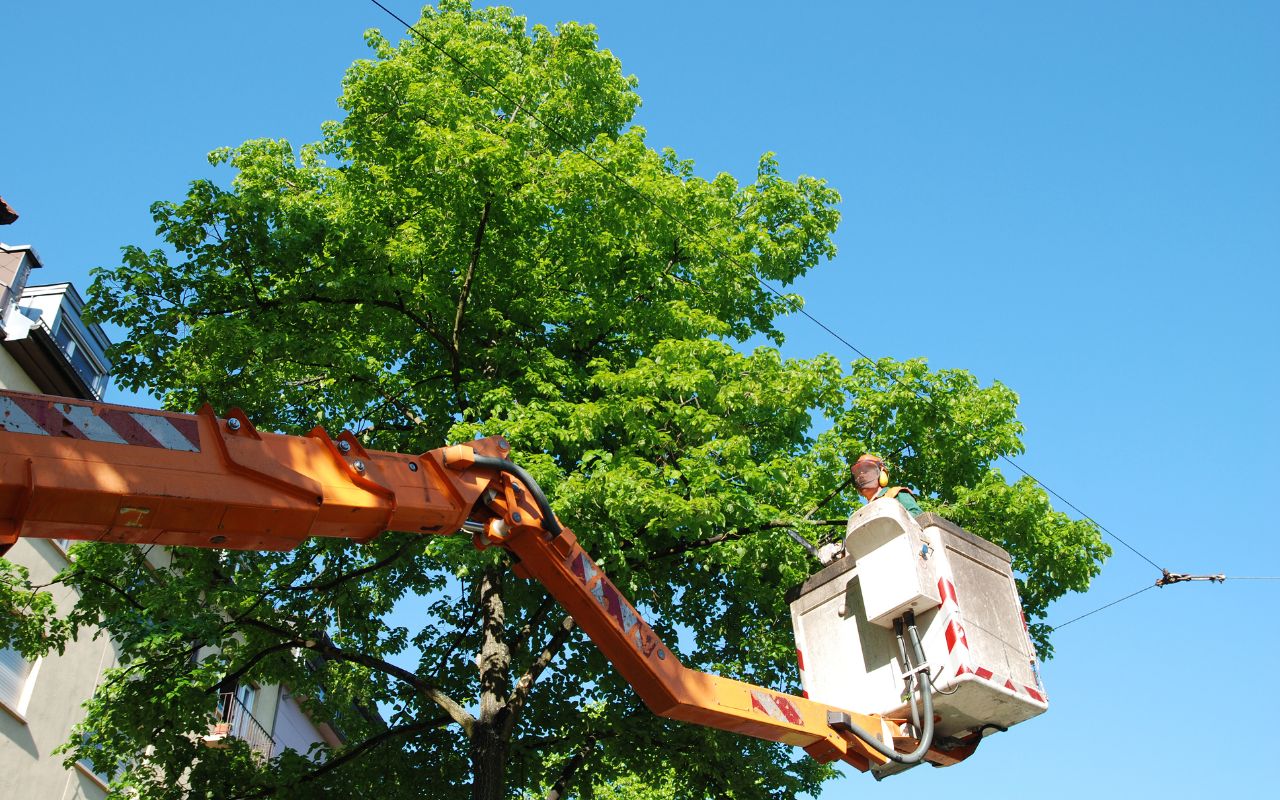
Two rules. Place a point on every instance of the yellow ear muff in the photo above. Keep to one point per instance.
(884, 477)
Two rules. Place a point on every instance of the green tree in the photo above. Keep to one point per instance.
(494, 248)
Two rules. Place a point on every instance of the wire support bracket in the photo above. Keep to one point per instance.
(1169, 578)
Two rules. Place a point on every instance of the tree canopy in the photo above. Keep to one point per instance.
(485, 243)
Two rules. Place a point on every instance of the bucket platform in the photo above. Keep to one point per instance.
(960, 587)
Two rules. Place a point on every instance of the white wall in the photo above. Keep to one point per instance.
(292, 729)
(58, 688)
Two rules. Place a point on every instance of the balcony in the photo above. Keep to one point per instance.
(236, 722)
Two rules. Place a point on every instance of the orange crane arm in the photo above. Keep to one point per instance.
(75, 469)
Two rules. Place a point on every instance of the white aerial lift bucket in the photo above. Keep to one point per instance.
(960, 588)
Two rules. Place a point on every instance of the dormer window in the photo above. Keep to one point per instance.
(80, 355)
(62, 354)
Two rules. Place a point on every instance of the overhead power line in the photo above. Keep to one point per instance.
(1251, 578)
(1168, 579)
(1102, 608)
(1076, 508)
(714, 247)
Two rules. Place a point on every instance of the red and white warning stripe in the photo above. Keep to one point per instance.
(957, 641)
(776, 707)
(1001, 680)
(800, 663)
(958, 652)
(21, 414)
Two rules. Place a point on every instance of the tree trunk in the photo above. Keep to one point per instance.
(488, 763)
(489, 745)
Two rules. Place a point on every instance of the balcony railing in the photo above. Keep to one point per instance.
(235, 722)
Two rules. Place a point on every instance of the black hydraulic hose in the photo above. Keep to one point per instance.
(908, 666)
(926, 693)
(549, 520)
(926, 738)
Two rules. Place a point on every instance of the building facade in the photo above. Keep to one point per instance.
(48, 348)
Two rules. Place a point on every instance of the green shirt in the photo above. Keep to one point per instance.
(904, 497)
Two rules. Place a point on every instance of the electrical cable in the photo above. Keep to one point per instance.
(1101, 608)
(705, 239)
(1076, 508)
(1219, 579)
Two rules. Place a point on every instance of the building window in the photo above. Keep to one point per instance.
(17, 675)
(247, 693)
(80, 356)
(85, 766)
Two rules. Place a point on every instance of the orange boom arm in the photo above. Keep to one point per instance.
(74, 469)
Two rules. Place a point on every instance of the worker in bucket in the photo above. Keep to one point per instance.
(872, 480)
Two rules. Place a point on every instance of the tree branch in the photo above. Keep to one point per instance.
(351, 753)
(233, 678)
(738, 533)
(565, 778)
(332, 652)
(464, 295)
(130, 599)
(340, 579)
(535, 619)
(423, 323)
(464, 630)
(516, 702)
(373, 741)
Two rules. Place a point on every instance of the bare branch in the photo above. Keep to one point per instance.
(330, 651)
(535, 619)
(516, 702)
(464, 295)
(340, 579)
(565, 778)
(464, 630)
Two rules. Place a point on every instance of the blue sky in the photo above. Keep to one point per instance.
(1079, 200)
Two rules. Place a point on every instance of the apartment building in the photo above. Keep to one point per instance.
(47, 347)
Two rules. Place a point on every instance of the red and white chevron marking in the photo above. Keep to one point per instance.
(958, 645)
(800, 663)
(776, 706)
(947, 591)
(1000, 680)
(957, 641)
(20, 414)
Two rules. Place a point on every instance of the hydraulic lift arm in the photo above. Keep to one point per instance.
(74, 469)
